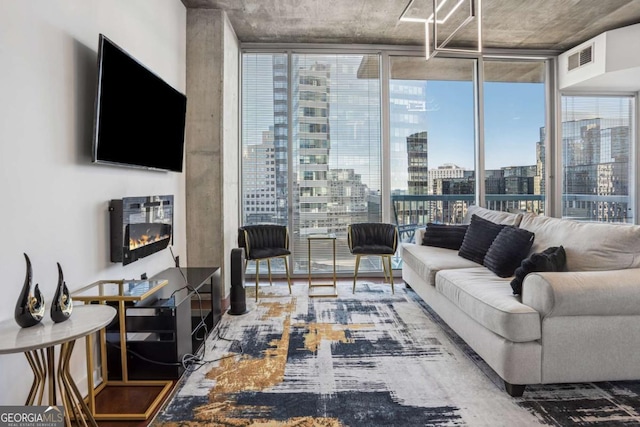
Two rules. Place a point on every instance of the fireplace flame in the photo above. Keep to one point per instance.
(146, 239)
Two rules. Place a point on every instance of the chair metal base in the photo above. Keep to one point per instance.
(388, 275)
(286, 267)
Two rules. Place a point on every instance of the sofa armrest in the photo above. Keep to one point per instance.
(583, 293)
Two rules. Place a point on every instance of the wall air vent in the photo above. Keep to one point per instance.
(580, 58)
(608, 62)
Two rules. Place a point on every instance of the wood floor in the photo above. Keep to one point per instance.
(120, 402)
(128, 399)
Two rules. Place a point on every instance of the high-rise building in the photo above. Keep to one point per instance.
(418, 159)
(448, 179)
(259, 195)
(596, 164)
(349, 201)
(312, 134)
(280, 137)
(407, 107)
(446, 171)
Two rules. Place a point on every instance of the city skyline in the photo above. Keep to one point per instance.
(313, 151)
(446, 102)
(450, 128)
(514, 115)
(334, 124)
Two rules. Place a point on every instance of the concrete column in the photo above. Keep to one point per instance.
(212, 140)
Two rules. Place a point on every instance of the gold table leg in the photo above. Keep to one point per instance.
(60, 379)
(39, 377)
(70, 390)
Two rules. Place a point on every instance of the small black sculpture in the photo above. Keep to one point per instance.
(30, 308)
(62, 304)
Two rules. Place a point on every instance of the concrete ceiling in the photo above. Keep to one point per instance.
(556, 25)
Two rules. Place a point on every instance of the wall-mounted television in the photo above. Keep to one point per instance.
(139, 118)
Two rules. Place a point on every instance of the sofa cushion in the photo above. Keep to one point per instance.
(499, 217)
(488, 300)
(444, 236)
(478, 238)
(428, 260)
(588, 245)
(507, 251)
(551, 259)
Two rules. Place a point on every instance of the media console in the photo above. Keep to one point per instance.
(172, 322)
(159, 321)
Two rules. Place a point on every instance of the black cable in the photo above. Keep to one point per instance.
(146, 359)
(202, 323)
(189, 362)
(189, 359)
(201, 363)
(227, 339)
(175, 262)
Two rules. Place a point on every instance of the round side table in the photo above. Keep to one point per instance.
(38, 345)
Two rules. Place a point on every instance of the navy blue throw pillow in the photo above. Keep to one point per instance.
(507, 251)
(551, 259)
(478, 238)
(444, 236)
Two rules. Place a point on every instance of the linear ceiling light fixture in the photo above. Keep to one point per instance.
(432, 25)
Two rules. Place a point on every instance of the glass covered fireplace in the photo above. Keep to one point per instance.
(140, 226)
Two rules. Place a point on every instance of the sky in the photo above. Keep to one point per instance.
(513, 116)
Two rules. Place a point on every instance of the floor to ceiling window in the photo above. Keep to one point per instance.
(264, 139)
(432, 121)
(597, 134)
(514, 136)
(311, 149)
(432, 137)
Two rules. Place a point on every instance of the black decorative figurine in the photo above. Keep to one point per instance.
(62, 305)
(30, 308)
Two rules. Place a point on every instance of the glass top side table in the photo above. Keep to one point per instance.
(120, 292)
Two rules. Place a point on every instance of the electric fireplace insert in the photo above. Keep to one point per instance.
(140, 226)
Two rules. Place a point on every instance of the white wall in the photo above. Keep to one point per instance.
(53, 199)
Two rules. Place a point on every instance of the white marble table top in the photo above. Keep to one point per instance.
(84, 320)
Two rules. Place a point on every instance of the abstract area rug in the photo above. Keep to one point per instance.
(366, 359)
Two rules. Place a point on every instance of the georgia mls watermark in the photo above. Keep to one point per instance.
(31, 416)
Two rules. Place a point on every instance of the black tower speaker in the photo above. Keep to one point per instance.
(238, 296)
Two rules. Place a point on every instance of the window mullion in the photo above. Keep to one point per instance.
(478, 86)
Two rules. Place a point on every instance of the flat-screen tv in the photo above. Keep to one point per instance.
(139, 118)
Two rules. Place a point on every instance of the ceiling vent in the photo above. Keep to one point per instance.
(580, 58)
(608, 62)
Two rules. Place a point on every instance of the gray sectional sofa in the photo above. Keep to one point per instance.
(578, 325)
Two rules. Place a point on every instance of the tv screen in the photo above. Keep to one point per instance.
(139, 118)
